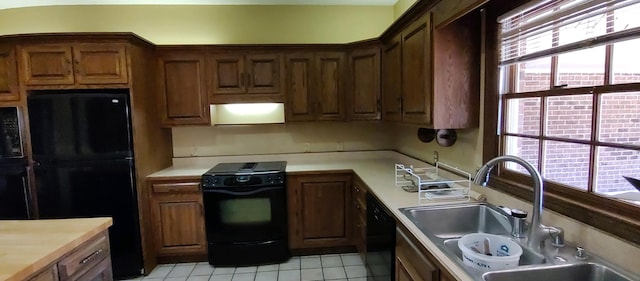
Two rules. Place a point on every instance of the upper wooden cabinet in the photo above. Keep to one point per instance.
(319, 210)
(363, 98)
(74, 64)
(392, 80)
(182, 88)
(240, 77)
(8, 74)
(431, 77)
(417, 89)
(315, 86)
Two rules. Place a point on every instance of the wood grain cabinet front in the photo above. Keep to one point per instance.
(8, 74)
(177, 215)
(91, 261)
(315, 85)
(74, 64)
(319, 210)
(363, 94)
(415, 263)
(183, 89)
(430, 76)
(246, 77)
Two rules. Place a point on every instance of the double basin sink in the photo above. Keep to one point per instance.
(445, 224)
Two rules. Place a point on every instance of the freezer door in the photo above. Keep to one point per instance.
(14, 197)
(80, 126)
(96, 189)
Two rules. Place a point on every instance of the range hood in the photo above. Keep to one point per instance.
(247, 113)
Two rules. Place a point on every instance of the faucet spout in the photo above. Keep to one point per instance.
(537, 232)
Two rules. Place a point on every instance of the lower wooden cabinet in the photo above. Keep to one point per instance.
(89, 261)
(177, 217)
(416, 264)
(319, 210)
(359, 202)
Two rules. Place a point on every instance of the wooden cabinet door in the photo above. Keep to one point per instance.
(299, 71)
(411, 265)
(228, 73)
(330, 86)
(8, 74)
(263, 73)
(319, 211)
(177, 215)
(392, 80)
(417, 89)
(100, 272)
(47, 64)
(182, 88)
(99, 63)
(364, 84)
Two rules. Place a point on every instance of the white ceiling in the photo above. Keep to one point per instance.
(8, 4)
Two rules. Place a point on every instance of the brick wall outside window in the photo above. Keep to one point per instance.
(570, 117)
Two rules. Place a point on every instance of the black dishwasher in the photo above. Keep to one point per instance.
(381, 240)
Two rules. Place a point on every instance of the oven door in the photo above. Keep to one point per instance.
(245, 214)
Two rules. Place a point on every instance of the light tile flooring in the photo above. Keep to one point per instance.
(338, 267)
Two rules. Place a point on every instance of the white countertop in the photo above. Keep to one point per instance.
(375, 168)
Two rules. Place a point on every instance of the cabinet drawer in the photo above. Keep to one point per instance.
(83, 259)
(49, 274)
(176, 187)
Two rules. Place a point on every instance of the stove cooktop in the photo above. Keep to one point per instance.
(244, 168)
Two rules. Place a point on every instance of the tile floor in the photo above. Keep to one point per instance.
(337, 267)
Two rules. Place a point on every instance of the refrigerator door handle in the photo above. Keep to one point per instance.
(26, 196)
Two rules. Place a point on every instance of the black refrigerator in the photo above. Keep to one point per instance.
(84, 166)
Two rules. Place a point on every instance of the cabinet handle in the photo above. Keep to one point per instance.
(25, 188)
(91, 256)
(76, 61)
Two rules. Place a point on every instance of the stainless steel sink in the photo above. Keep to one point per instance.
(447, 222)
(572, 272)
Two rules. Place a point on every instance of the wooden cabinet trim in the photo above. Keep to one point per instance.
(176, 187)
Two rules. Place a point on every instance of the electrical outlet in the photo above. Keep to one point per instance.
(435, 156)
(307, 147)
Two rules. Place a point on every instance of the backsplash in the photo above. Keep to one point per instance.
(280, 138)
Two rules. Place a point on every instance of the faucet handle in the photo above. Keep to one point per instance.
(521, 214)
(581, 253)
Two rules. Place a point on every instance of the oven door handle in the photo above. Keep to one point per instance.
(259, 190)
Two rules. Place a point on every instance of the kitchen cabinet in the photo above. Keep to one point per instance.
(414, 263)
(411, 264)
(358, 194)
(363, 98)
(246, 77)
(430, 77)
(392, 80)
(182, 88)
(319, 210)
(315, 86)
(8, 74)
(74, 64)
(177, 217)
(89, 261)
(417, 87)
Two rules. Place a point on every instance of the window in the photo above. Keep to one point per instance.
(566, 98)
(570, 94)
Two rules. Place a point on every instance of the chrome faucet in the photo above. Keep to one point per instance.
(537, 232)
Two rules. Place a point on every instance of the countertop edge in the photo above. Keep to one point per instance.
(62, 250)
